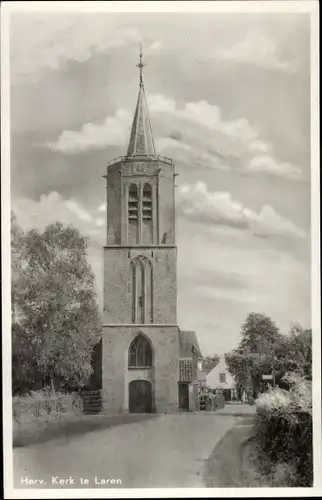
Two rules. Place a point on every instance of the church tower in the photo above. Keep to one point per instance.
(140, 332)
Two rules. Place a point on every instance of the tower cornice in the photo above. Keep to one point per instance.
(141, 158)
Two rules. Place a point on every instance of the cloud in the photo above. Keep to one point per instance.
(163, 143)
(198, 203)
(102, 208)
(269, 165)
(213, 142)
(113, 131)
(258, 48)
(156, 45)
(204, 114)
(51, 40)
(194, 133)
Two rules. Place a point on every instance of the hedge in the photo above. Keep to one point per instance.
(283, 428)
(39, 404)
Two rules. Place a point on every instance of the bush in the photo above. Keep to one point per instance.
(41, 404)
(283, 427)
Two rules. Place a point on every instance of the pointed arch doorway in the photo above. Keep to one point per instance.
(140, 375)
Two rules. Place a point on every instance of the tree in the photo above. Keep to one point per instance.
(255, 354)
(57, 322)
(209, 363)
(264, 350)
(259, 334)
(294, 353)
(17, 242)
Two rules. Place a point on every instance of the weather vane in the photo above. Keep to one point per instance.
(140, 65)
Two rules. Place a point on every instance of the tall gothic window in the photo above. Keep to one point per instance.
(140, 352)
(141, 275)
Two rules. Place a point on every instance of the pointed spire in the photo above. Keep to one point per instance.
(141, 139)
(141, 65)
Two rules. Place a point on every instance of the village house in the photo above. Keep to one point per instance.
(220, 380)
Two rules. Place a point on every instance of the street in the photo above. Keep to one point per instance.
(165, 451)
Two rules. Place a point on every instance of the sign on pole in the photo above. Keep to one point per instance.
(267, 377)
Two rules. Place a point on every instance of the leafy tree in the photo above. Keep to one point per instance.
(16, 257)
(259, 334)
(57, 322)
(294, 353)
(209, 363)
(264, 350)
(255, 354)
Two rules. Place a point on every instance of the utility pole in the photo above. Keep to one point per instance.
(274, 359)
(273, 377)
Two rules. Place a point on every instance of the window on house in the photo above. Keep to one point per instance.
(185, 370)
(140, 352)
(222, 378)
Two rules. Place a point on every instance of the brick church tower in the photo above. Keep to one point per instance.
(140, 370)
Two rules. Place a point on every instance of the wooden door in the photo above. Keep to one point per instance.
(184, 396)
(140, 396)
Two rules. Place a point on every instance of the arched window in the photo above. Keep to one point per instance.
(133, 204)
(141, 276)
(147, 230)
(147, 202)
(140, 352)
(139, 214)
(133, 214)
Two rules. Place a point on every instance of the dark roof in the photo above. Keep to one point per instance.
(188, 342)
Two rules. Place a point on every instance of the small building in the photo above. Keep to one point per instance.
(191, 376)
(220, 380)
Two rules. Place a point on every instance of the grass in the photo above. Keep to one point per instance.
(259, 471)
(237, 462)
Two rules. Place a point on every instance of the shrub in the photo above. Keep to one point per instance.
(40, 404)
(283, 427)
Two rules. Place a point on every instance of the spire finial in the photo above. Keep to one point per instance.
(140, 65)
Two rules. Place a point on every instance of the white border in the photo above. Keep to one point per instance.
(307, 6)
(279, 6)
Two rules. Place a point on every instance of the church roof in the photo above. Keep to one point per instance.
(188, 343)
(141, 138)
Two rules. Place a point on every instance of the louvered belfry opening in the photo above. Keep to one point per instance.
(133, 213)
(147, 202)
(147, 222)
(133, 203)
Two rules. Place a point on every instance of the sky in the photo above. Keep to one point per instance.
(229, 102)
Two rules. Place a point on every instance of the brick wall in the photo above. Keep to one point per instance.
(116, 341)
(117, 296)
